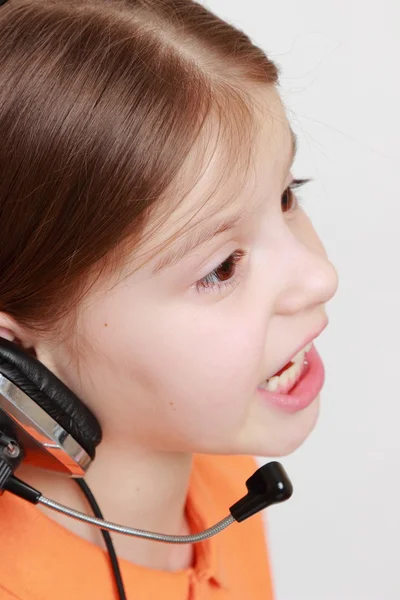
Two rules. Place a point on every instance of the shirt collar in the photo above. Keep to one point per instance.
(203, 513)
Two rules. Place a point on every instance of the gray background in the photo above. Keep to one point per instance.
(338, 537)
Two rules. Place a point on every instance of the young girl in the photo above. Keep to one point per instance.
(153, 256)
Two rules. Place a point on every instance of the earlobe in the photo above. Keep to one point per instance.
(6, 334)
(27, 341)
(10, 330)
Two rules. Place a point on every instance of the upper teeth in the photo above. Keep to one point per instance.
(289, 374)
(300, 355)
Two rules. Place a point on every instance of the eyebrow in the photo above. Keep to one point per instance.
(201, 236)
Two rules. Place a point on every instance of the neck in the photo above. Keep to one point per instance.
(134, 487)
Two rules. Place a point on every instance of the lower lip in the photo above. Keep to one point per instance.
(306, 389)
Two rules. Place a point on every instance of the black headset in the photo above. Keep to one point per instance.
(55, 429)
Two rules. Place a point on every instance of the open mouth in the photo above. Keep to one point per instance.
(287, 377)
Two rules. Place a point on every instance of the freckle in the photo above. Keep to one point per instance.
(105, 324)
(171, 403)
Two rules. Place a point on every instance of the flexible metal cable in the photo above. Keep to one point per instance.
(158, 537)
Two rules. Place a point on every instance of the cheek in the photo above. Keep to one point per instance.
(180, 372)
(209, 366)
(216, 353)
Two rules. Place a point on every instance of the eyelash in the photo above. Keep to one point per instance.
(214, 281)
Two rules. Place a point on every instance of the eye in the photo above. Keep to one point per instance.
(288, 199)
(223, 275)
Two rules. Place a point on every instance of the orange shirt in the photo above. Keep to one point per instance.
(40, 560)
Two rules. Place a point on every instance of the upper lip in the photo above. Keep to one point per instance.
(304, 343)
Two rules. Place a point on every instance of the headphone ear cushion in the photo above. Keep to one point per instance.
(51, 394)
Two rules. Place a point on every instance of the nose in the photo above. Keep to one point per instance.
(310, 279)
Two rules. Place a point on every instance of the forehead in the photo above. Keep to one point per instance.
(224, 173)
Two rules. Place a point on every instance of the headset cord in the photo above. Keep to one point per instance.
(107, 538)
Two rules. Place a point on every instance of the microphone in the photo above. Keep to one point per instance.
(269, 485)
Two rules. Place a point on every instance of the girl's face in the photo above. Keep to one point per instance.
(174, 355)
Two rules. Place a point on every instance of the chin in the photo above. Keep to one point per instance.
(286, 432)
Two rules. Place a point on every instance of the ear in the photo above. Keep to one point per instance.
(6, 334)
(29, 341)
(11, 330)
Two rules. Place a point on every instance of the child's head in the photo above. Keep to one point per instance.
(152, 254)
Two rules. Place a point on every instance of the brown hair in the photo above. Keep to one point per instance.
(101, 102)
